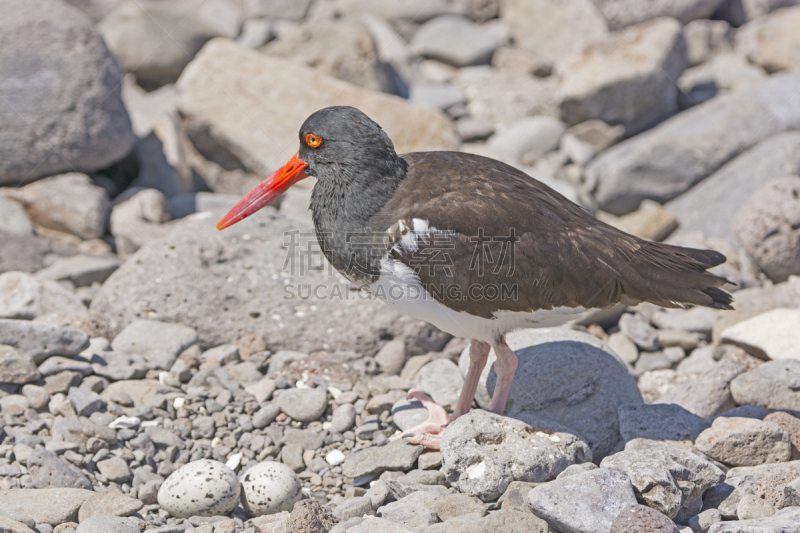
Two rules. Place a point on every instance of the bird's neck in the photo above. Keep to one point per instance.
(344, 207)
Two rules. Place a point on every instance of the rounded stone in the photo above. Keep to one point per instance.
(200, 488)
(567, 377)
(304, 405)
(269, 488)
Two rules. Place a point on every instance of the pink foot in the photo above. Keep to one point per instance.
(429, 433)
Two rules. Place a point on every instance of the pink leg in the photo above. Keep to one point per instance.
(504, 367)
(478, 354)
(429, 433)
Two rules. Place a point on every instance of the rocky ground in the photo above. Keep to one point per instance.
(158, 375)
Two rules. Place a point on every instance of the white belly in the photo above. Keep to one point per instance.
(400, 287)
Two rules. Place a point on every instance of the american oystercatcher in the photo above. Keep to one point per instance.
(474, 246)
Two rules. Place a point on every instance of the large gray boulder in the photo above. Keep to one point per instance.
(709, 206)
(61, 108)
(251, 109)
(625, 78)
(564, 377)
(482, 453)
(231, 283)
(662, 163)
(621, 13)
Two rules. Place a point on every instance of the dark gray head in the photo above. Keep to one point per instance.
(343, 142)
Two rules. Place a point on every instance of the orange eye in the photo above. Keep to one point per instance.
(313, 141)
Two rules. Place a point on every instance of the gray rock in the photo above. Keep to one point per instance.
(436, 95)
(502, 97)
(77, 109)
(115, 469)
(644, 519)
(160, 343)
(769, 40)
(15, 526)
(751, 506)
(791, 493)
(767, 226)
(697, 319)
(455, 41)
(409, 413)
(156, 40)
(725, 191)
(117, 366)
(343, 418)
(773, 385)
(529, 135)
(709, 393)
(304, 405)
(584, 503)
(37, 396)
(27, 253)
(256, 33)
(636, 327)
(57, 364)
(663, 422)
(51, 506)
(233, 302)
(81, 270)
(474, 129)
(667, 478)
(312, 517)
(48, 470)
(278, 9)
(184, 205)
(40, 340)
(441, 379)
(103, 524)
(551, 29)
(567, 377)
(702, 139)
(704, 520)
(379, 525)
(784, 521)
(16, 366)
(266, 415)
(391, 357)
(308, 91)
(706, 39)
(68, 203)
(483, 452)
(397, 455)
(411, 511)
(635, 86)
(339, 47)
(85, 402)
(504, 520)
(622, 13)
(24, 297)
(139, 220)
(110, 503)
(744, 442)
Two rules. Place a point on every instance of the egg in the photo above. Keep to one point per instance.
(269, 488)
(200, 488)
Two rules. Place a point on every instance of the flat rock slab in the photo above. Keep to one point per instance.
(665, 161)
(244, 290)
(397, 455)
(158, 342)
(667, 478)
(499, 521)
(46, 506)
(251, 90)
(40, 340)
(111, 502)
(568, 377)
(584, 503)
(482, 453)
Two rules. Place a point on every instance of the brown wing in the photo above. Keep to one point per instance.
(502, 232)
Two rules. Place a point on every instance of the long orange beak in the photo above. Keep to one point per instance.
(266, 191)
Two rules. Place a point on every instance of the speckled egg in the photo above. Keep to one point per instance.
(200, 488)
(269, 488)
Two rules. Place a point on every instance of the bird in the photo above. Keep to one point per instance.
(472, 245)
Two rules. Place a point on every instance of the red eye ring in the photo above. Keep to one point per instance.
(313, 141)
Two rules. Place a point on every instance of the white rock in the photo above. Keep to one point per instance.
(530, 134)
(234, 461)
(334, 457)
(269, 488)
(773, 334)
(130, 422)
(200, 488)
